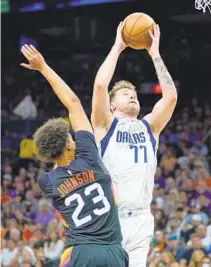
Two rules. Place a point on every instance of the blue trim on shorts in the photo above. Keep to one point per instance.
(152, 139)
(104, 142)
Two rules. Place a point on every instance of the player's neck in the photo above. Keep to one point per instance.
(64, 160)
(120, 115)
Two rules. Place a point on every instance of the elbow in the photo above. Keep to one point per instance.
(99, 86)
(73, 103)
(173, 96)
(76, 100)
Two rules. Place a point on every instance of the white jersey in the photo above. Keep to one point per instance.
(129, 153)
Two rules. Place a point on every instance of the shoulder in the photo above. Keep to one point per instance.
(81, 135)
(84, 133)
(86, 146)
(147, 122)
(106, 138)
(45, 184)
(102, 131)
(42, 178)
(84, 138)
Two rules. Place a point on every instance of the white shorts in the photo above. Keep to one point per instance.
(137, 230)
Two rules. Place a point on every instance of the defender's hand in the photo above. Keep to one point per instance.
(119, 41)
(36, 60)
(154, 48)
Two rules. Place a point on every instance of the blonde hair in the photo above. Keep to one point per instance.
(120, 85)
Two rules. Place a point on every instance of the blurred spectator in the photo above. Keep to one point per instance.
(26, 151)
(196, 215)
(44, 215)
(174, 247)
(53, 247)
(8, 253)
(167, 258)
(194, 245)
(32, 232)
(196, 258)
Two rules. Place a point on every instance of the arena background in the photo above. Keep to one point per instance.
(75, 36)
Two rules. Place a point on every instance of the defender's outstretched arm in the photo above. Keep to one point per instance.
(78, 118)
(101, 115)
(163, 109)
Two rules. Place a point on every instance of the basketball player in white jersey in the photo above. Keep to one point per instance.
(128, 146)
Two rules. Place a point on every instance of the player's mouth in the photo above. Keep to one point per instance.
(132, 102)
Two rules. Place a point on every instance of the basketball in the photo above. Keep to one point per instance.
(136, 30)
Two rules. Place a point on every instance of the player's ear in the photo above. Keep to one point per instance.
(68, 146)
(69, 143)
(112, 107)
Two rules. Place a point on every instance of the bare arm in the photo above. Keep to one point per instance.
(163, 110)
(78, 118)
(101, 115)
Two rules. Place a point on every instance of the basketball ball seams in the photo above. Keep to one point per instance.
(138, 45)
(135, 25)
(143, 31)
(125, 27)
(141, 38)
(138, 42)
(125, 33)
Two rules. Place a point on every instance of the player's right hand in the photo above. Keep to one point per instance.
(35, 59)
(119, 40)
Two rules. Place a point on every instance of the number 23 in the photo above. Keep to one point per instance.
(99, 198)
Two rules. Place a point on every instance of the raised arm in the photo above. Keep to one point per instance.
(163, 109)
(101, 115)
(78, 118)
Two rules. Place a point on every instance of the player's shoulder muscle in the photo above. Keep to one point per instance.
(101, 130)
(147, 119)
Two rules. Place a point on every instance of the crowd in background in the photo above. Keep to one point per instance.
(78, 71)
(31, 231)
(32, 234)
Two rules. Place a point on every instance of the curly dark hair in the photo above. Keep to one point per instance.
(50, 139)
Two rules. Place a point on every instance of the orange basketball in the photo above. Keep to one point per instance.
(136, 30)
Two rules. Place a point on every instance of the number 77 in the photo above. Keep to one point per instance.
(136, 149)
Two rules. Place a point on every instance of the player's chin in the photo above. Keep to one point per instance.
(133, 110)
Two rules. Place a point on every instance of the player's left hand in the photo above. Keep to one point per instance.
(36, 60)
(119, 43)
(154, 48)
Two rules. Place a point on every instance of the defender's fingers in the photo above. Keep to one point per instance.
(27, 66)
(34, 49)
(30, 50)
(26, 54)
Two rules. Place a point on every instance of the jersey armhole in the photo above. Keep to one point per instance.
(152, 138)
(50, 176)
(104, 142)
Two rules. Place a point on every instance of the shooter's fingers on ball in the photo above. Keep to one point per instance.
(151, 35)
